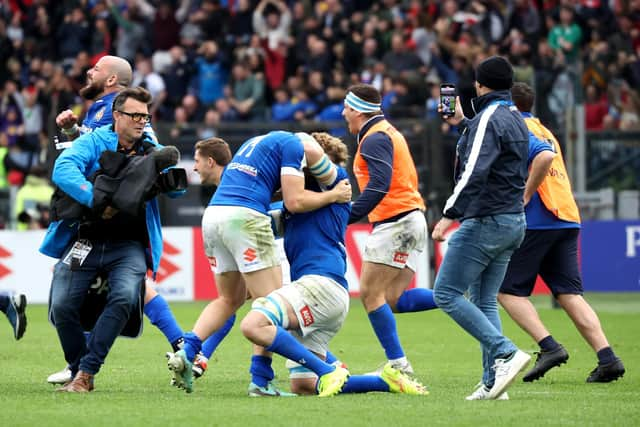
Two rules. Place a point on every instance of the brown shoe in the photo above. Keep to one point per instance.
(82, 383)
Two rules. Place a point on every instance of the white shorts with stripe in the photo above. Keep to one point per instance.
(398, 243)
(321, 306)
(238, 239)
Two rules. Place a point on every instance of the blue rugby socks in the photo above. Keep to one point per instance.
(160, 315)
(384, 325)
(286, 345)
(211, 343)
(261, 370)
(192, 345)
(364, 384)
(416, 299)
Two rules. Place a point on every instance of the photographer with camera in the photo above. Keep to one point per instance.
(121, 244)
(109, 76)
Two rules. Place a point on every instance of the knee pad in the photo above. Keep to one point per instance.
(273, 309)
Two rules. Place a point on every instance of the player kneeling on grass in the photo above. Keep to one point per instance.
(298, 320)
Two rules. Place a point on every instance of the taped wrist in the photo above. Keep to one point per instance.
(324, 171)
(70, 131)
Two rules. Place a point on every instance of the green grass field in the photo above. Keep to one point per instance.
(133, 386)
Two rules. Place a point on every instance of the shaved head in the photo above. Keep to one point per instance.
(120, 67)
(110, 74)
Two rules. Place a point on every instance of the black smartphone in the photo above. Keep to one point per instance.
(448, 99)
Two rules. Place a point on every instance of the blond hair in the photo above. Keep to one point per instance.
(333, 147)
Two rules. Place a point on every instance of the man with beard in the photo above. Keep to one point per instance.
(109, 76)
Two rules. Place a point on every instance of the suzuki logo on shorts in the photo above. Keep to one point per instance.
(307, 317)
(250, 255)
(401, 257)
(213, 262)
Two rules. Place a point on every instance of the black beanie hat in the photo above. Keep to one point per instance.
(495, 73)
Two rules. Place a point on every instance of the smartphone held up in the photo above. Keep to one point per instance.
(448, 99)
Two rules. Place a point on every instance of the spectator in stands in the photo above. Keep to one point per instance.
(401, 101)
(177, 77)
(11, 123)
(146, 77)
(272, 22)
(240, 24)
(131, 35)
(399, 60)
(213, 20)
(181, 129)
(304, 107)
(193, 109)
(422, 36)
(282, 109)
(32, 112)
(166, 29)
(209, 128)
(566, 35)
(101, 40)
(596, 108)
(226, 111)
(73, 34)
(211, 68)
(247, 92)
(275, 63)
(629, 109)
(526, 17)
(318, 56)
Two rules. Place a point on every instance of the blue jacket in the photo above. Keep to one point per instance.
(70, 173)
(491, 161)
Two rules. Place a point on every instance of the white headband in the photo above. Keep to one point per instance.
(360, 105)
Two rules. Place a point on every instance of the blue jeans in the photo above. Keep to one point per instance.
(125, 264)
(476, 260)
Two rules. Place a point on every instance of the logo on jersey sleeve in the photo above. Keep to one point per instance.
(307, 316)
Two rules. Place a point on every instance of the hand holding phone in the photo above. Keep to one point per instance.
(448, 99)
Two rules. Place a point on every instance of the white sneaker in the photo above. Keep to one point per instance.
(61, 377)
(507, 370)
(482, 393)
(405, 368)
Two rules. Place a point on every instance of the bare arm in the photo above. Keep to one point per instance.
(297, 199)
(539, 169)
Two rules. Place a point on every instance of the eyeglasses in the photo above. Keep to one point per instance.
(137, 117)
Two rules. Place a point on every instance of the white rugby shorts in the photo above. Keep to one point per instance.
(238, 239)
(321, 306)
(398, 243)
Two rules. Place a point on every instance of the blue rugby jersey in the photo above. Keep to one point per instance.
(99, 114)
(314, 241)
(253, 174)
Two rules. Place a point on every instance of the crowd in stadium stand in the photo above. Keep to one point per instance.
(208, 62)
